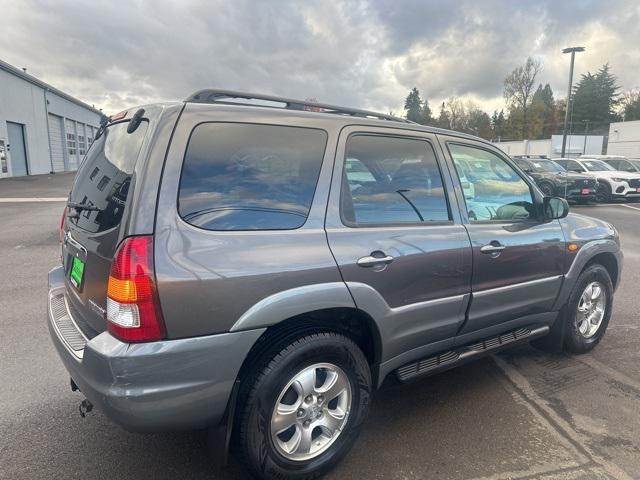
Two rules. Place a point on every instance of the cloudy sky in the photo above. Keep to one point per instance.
(364, 54)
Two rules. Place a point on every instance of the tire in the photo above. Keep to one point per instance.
(261, 448)
(579, 338)
(547, 189)
(603, 193)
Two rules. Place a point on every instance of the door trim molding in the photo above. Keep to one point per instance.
(513, 286)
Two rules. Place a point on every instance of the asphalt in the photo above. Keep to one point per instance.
(521, 414)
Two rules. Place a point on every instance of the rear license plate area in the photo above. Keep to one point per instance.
(76, 272)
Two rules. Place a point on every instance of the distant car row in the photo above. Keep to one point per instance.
(600, 178)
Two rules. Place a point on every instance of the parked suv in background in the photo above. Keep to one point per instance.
(622, 164)
(260, 270)
(612, 183)
(554, 180)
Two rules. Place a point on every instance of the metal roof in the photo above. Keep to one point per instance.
(35, 81)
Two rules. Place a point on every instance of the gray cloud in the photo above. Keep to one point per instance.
(358, 53)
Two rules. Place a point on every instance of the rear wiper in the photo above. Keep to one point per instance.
(82, 206)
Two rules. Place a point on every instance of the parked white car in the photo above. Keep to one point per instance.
(613, 184)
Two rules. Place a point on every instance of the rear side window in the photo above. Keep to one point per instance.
(104, 177)
(250, 177)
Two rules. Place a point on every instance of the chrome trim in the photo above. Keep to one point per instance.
(77, 354)
(514, 286)
(68, 239)
(371, 261)
(435, 301)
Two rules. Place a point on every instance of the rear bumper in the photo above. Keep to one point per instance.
(165, 385)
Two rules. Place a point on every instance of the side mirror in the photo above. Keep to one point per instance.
(555, 208)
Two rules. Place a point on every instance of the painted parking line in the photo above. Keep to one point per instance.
(629, 206)
(32, 199)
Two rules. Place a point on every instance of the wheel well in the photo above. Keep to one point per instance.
(608, 261)
(351, 322)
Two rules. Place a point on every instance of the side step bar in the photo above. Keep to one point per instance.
(452, 358)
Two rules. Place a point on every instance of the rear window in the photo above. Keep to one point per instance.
(104, 177)
(250, 177)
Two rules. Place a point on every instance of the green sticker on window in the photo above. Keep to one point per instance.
(77, 271)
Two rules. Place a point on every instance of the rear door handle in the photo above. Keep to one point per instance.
(371, 261)
(493, 247)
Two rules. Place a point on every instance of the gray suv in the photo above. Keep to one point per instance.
(257, 266)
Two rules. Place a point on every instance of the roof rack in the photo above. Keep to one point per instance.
(223, 97)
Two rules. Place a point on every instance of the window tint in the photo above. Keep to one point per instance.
(250, 177)
(390, 180)
(496, 191)
(113, 155)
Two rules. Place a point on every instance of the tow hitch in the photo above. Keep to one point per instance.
(85, 407)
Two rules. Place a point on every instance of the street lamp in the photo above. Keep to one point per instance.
(572, 51)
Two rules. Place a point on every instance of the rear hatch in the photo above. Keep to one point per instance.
(96, 219)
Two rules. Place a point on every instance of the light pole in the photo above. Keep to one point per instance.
(572, 51)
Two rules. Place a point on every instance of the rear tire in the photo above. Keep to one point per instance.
(588, 310)
(287, 428)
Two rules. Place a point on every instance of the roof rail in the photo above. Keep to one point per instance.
(210, 95)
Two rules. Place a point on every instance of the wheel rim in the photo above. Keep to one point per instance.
(311, 412)
(591, 309)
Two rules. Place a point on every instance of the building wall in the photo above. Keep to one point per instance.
(552, 147)
(624, 139)
(23, 102)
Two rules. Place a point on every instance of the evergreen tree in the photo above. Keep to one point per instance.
(443, 120)
(543, 113)
(426, 118)
(413, 106)
(498, 124)
(595, 99)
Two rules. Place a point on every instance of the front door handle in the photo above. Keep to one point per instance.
(493, 247)
(374, 261)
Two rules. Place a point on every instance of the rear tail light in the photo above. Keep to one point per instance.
(133, 309)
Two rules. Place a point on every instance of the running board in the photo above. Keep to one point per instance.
(461, 355)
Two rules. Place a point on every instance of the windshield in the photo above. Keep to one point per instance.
(546, 166)
(597, 166)
(635, 163)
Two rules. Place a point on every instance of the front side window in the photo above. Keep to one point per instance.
(498, 192)
(250, 177)
(389, 180)
(572, 166)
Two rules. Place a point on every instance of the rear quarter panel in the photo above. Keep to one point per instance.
(206, 279)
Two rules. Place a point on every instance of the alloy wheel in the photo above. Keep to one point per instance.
(311, 412)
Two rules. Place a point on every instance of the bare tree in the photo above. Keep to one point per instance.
(519, 89)
(456, 111)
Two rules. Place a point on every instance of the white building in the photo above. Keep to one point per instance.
(624, 139)
(552, 147)
(42, 129)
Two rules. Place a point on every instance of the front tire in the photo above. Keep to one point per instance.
(588, 310)
(303, 407)
(603, 193)
(547, 189)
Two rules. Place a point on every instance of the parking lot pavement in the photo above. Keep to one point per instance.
(519, 415)
(40, 186)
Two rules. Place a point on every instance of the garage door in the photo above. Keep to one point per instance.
(55, 141)
(72, 145)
